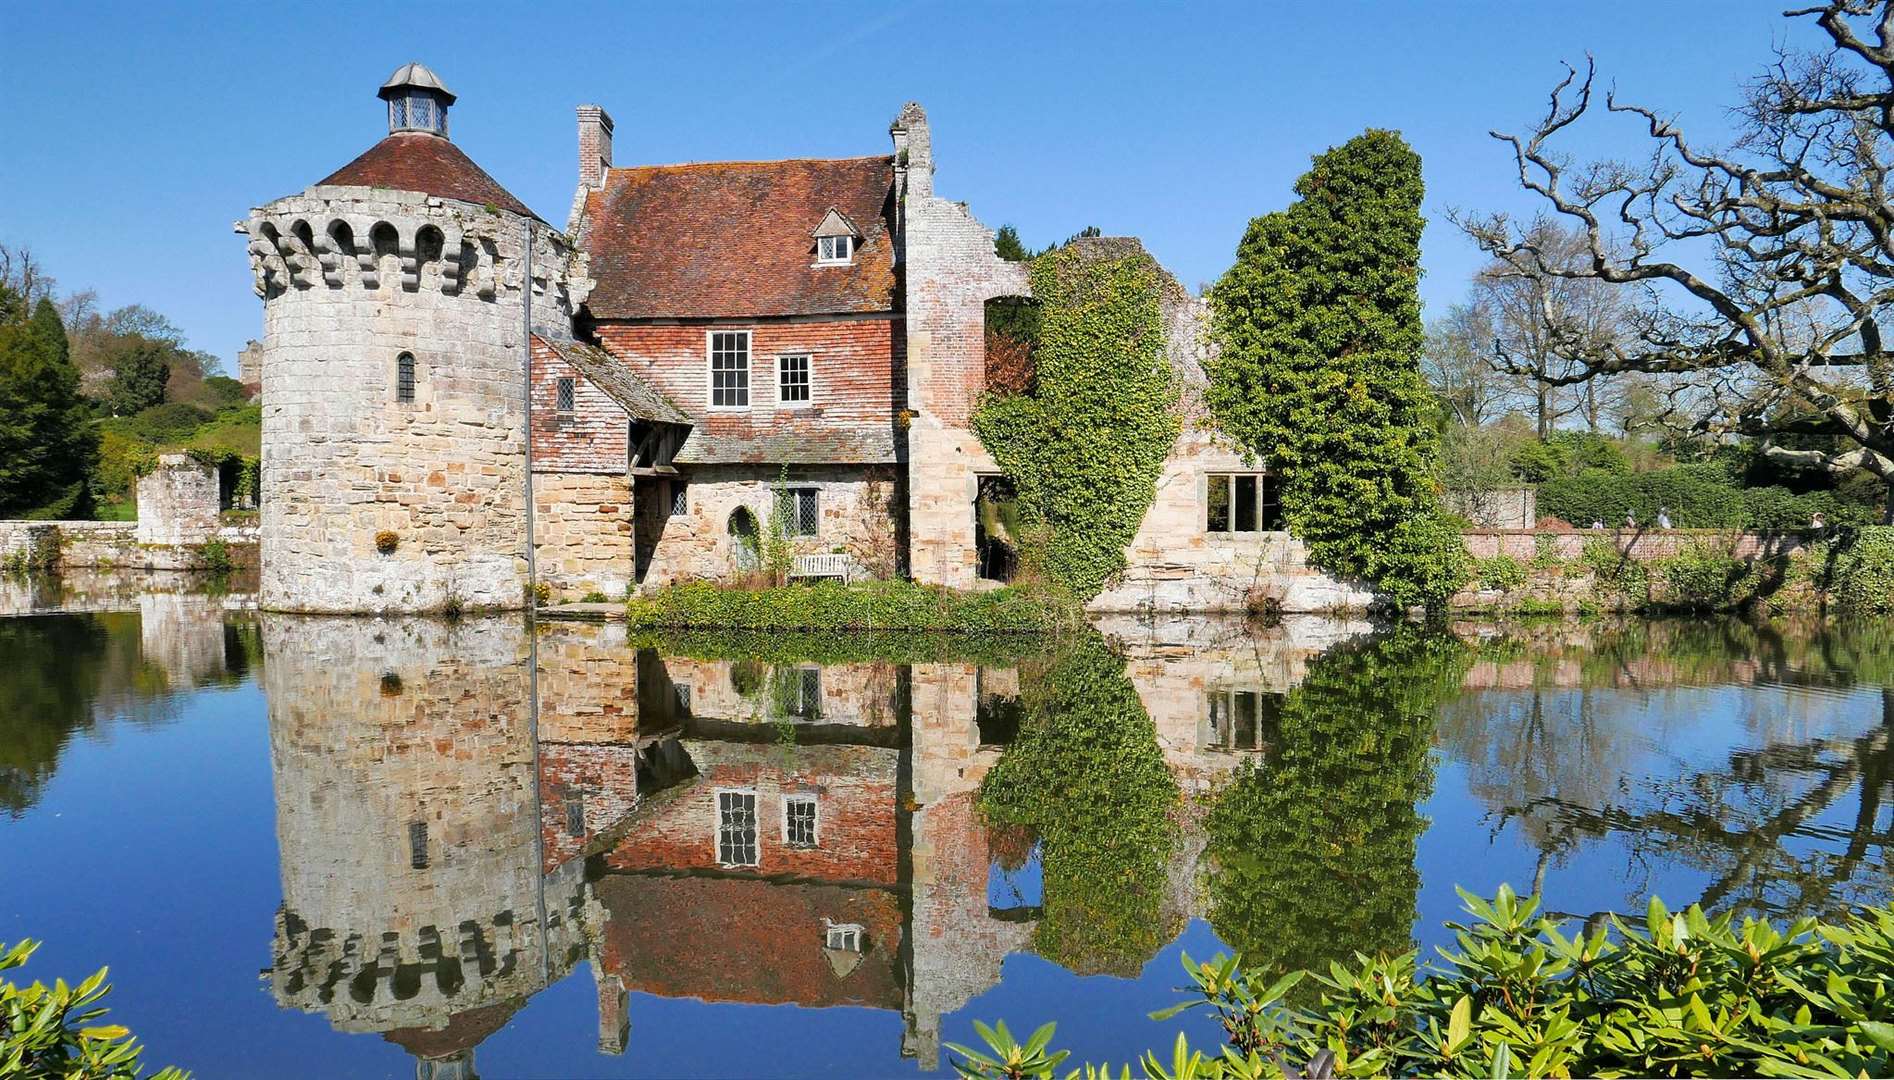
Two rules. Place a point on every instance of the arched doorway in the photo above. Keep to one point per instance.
(746, 546)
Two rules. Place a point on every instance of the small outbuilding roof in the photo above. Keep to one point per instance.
(605, 371)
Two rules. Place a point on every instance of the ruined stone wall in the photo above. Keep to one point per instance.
(1174, 564)
(856, 505)
(351, 279)
(950, 273)
(178, 502)
(582, 523)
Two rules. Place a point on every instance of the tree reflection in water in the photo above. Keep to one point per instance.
(1592, 742)
(1310, 856)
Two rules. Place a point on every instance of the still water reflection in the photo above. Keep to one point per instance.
(318, 846)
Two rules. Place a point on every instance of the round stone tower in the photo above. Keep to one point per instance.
(393, 369)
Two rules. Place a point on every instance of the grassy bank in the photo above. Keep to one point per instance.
(832, 606)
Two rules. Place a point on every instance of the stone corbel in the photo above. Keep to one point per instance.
(366, 267)
(409, 250)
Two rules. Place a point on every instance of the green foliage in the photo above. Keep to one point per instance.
(840, 647)
(166, 423)
(1536, 462)
(1006, 245)
(214, 556)
(1777, 509)
(1545, 553)
(828, 605)
(1499, 572)
(1703, 577)
(47, 444)
(1084, 450)
(1671, 994)
(1861, 581)
(1297, 881)
(140, 367)
(1622, 582)
(54, 1032)
(595, 597)
(1318, 373)
(1698, 497)
(1086, 775)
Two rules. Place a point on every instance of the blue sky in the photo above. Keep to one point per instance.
(134, 134)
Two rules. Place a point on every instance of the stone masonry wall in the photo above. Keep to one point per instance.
(178, 502)
(1640, 546)
(582, 523)
(352, 278)
(951, 273)
(1174, 564)
(854, 503)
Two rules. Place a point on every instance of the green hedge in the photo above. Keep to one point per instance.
(875, 605)
(1699, 496)
(1861, 579)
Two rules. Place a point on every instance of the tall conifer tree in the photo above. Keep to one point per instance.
(1318, 372)
(48, 445)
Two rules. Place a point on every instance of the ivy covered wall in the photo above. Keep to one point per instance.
(1085, 444)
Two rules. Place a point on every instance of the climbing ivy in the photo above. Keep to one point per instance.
(1084, 447)
(1086, 775)
(1318, 371)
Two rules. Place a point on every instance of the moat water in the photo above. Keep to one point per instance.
(351, 847)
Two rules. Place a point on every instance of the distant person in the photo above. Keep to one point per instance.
(1598, 524)
(1817, 524)
(1663, 517)
(1630, 522)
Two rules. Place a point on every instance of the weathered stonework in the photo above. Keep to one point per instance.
(582, 523)
(178, 502)
(856, 516)
(352, 279)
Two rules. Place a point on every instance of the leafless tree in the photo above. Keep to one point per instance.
(1761, 269)
(1458, 364)
(1545, 324)
(23, 274)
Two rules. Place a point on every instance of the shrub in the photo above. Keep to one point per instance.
(1671, 994)
(1499, 572)
(216, 557)
(51, 1033)
(595, 597)
(1702, 578)
(1617, 577)
(1545, 553)
(1862, 578)
(542, 593)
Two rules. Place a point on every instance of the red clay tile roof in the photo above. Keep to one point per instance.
(736, 239)
(418, 161)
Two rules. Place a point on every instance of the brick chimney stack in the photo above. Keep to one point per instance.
(595, 146)
(913, 150)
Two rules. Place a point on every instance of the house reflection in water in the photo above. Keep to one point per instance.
(729, 831)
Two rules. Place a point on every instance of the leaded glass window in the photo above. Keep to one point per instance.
(797, 509)
(404, 378)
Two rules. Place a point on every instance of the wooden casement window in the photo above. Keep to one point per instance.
(796, 508)
(563, 397)
(730, 369)
(792, 380)
(834, 249)
(404, 378)
(1242, 503)
(799, 821)
(736, 828)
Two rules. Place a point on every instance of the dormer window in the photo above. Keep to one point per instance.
(834, 249)
(835, 240)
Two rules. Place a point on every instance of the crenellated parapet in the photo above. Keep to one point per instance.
(381, 240)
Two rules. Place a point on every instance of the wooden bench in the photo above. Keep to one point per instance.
(840, 567)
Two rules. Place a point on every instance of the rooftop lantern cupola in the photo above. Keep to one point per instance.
(417, 100)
